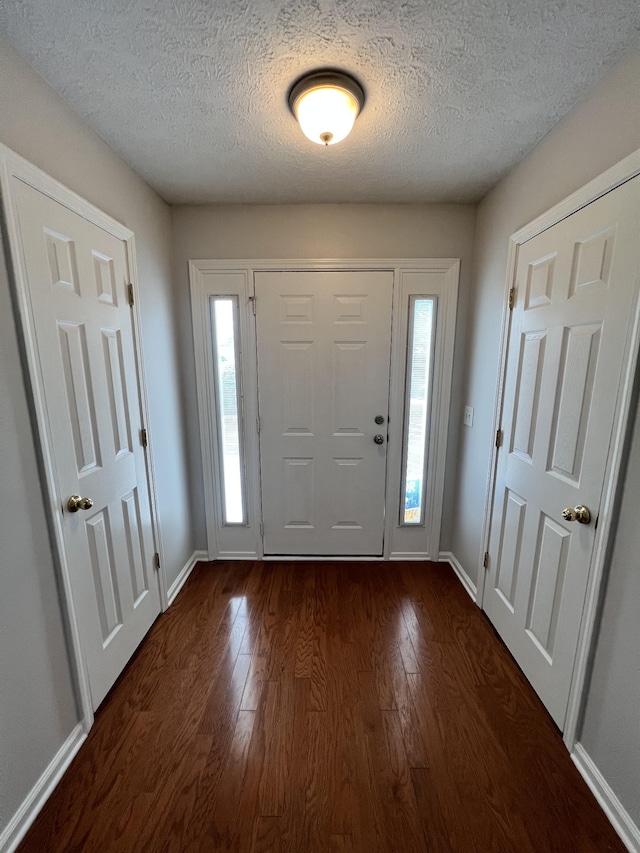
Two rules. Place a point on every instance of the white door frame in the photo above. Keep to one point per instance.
(13, 166)
(236, 278)
(604, 183)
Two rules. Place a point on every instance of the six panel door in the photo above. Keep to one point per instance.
(323, 377)
(77, 277)
(575, 286)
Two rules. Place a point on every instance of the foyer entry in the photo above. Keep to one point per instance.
(323, 391)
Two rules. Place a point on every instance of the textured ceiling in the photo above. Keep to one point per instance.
(192, 93)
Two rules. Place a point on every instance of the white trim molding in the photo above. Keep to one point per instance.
(619, 174)
(144, 404)
(463, 577)
(183, 575)
(614, 177)
(603, 792)
(17, 827)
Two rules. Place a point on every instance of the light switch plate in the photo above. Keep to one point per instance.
(468, 416)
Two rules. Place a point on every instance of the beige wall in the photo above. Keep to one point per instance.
(320, 231)
(595, 135)
(37, 706)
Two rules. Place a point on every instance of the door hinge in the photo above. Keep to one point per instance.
(144, 438)
(485, 561)
(261, 528)
(130, 294)
(252, 300)
(499, 438)
(156, 560)
(512, 297)
(258, 424)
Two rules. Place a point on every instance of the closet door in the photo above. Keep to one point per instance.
(575, 299)
(77, 278)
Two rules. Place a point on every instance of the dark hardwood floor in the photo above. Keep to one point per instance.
(322, 707)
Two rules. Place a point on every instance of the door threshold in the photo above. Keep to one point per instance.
(325, 557)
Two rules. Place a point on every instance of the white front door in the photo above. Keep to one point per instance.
(323, 345)
(575, 298)
(77, 278)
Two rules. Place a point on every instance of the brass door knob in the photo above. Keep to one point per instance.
(76, 502)
(579, 513)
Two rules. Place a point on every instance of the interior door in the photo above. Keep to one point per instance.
(575, 298)
(77, 278)
(323, 345)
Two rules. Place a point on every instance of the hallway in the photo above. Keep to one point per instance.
(322, 707)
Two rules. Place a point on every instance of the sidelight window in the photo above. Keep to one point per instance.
(420, 348)
(226, 359)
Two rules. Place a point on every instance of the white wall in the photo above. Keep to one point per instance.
(595, 135)
(37, 706)
(319, 231)
(611, 727)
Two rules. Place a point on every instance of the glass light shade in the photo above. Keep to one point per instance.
(326, 114)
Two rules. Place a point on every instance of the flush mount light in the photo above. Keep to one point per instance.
(326, 104)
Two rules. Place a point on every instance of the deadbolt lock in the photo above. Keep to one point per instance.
(379, 419)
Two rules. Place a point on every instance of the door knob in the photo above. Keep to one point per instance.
(379, 439)
(76, 502)
(579, 513)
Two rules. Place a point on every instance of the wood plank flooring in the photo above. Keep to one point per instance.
(322, 707)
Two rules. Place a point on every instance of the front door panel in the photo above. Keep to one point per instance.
(323, 376)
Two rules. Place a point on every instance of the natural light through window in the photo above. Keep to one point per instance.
(417, 408)
(227, 366)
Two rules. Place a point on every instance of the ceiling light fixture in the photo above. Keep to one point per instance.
(326, 104)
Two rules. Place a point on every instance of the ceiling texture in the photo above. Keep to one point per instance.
(193, 93)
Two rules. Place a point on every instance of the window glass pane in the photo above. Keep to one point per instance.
(418, 403)
(227, 366)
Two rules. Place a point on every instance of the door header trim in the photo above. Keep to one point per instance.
(337, 264)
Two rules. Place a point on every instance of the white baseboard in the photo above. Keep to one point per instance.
(611, 805)
(15, 830)
(180, 581)
(463, 577)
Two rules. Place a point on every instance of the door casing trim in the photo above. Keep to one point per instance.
(614, 177)
(13, 166)
(243, 273)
